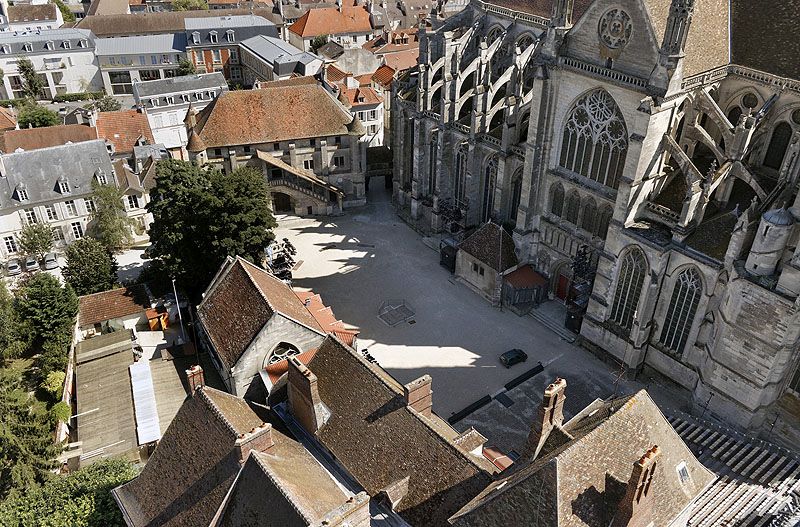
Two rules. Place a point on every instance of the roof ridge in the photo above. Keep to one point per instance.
(278, 484)
(253, 281)
(217, 410)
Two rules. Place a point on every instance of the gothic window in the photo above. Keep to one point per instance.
(489, 183)
(734, 114)
(614, 28)
(588, 215)
(460, 183)
(516, 194)
(778, 145)
(572, 208)
(633, 269)
(682, 309)
(524, 42)
(603, 219)
(434, 154)
(282, 351)
(796, 117)
(494, 34)
(749, 100)
(595, 139)
(524, 123)
(557, 199)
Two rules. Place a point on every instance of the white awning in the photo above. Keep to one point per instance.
(144, 403)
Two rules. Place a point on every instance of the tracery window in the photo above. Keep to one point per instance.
(633, 269)
(572, 208)
(588, 215)
(282, 351)
(603, 220)
(489, 184)
(557, 199)
(524, 42)
(682, 310)
(595, 140)
(460, 183)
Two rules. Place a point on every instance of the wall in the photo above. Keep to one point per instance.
(486, 283)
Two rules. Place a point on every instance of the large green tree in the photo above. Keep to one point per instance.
(90, 267)
(202, 216)
(189, 5)
(48, 306)
(106, 103)
(26, 442)
(186, 67)
(66, 14)
(110, 224)
(36, 239)
(32, 82)
(35, 116)
(80, 499)
(14, 333)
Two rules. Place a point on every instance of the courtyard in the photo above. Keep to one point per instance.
(368, 259)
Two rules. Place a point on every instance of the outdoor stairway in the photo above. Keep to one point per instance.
(758, 484)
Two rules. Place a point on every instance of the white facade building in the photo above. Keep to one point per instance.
(30, 17)
(123, 60)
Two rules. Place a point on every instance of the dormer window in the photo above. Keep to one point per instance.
(195, 37)
(213, 37)
(63, 186)
(82, 43)
(101, 178)
(27, 46)
(229, 35)
(6, 49)
(67, 44)
(22, 194)
(49, 45)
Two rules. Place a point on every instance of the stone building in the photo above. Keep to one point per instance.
(662, 136)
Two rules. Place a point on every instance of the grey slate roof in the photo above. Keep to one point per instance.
(40, 171)
(283, 56)
(140, 44)
(243, 27)
(185, 83)
(226, 22)
(38, 39)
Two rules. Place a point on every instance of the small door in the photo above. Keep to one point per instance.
(562, 286)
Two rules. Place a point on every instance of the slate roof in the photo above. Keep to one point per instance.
(194, 465)
(280, 54)
(764, 36)
(123, 129)
(38, 39)
(40, 171)
(35, 138)
(492, 245)
(204, 81)
(116, 303)
(32, 12)
(380, 441)
(331, 21)
(580, 482)
(136, 44)
(240, 301)
(273, 113)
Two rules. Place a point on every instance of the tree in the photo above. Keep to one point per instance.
(14, 333)
(189, 5)
(82, 498)
(36, 239)
(26, 443)
(32, 83)
(54, 383)
(48, 306)
(106, 103)
(202, 216)
(90, 267)
(66, 14)
(110, 224)
(318, 41)
(186, 67)
(35, 116)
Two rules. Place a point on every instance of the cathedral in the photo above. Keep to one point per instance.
(661, 137)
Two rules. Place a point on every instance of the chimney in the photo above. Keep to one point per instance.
(305, 404)
(194, 376)
(258, 439)
(551, 415)
(636, 507)
(419, 395)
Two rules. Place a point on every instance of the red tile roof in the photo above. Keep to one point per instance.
(32, 12)
(325, 317)
(35, 138)
(361, 96)
(334, 74)
(384, 75)
(123, 129)
(525, 277)
(402, 60)
(276, 370)
(8, 121)
(331, 21)
(113, 304)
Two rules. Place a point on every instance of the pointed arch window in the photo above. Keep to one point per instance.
(595, 140)
(778, 145)
(516, 195)
(460, 183)
(557, 199)
(603, 220)
(489, 185)
(682, 310)
(434, 154)
(572, 208)
(633, 269)
(588, 216)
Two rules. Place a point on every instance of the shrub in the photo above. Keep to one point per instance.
(60, 412)
(54, 383)
(78, 96)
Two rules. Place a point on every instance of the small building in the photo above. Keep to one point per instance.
(123, 130)
(269, 59)
(483, 258)
(364, 103)
(348, 25)
(123, 60)
(32, 17)
(115, 310)
(524, 288)
(165, 102)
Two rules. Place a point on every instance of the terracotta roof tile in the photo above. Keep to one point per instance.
(525, 277)
(31, 12)
(8, 121)
(277, 369)
(334, 74)
(492, 245)
(331, 21)
(402, 60)
(361, 96)
(116, 303)
(35, 138)
(123, 129)
(384, 75)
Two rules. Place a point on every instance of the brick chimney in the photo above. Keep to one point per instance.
(305, 403)
(194, 376)
(551, 415)
(419, 395)
(636, 507)
(258, 439)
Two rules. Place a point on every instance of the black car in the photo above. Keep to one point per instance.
(512, 357)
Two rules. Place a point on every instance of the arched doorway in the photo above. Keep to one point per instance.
(562, 276)
(777, 146)
(281, 202)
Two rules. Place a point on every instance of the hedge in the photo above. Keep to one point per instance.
(80, 96)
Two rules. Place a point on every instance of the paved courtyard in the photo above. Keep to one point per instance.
(363, 259)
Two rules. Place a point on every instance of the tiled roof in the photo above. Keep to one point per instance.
(525, 277)
(380, 441)
(32, 12)
(390, 41)
(107, 7)
(582, 480)
(361, 96)
(325, 317)
(334, 74)
(8, 121)
(492, 245)
(278, 113)
(239, 303)
(402, 60)
(123, 129)
(384, 75)
(277, 369)
(35, 138)
(331, 21)
(117, 303)
(194, 465)
(764, 36)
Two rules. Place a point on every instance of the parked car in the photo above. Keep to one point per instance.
(512, 357)
(13, 268)
(50, 261)
(31, 263)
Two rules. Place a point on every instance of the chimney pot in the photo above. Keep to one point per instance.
(636, 507)
(258, 439)
(551, 415)
(419, 395)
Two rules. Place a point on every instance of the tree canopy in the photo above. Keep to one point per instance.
(32, 82)
(90, 267)
(36, 239)
(35, 116)
(186, 67)
(47, 305)
(106, 103)
(202, 216)
(66, 14)
(189, 5)
(110, 224)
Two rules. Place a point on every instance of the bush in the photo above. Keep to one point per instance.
(13, 103)
(54, 383)
(60, 412)
(79, 96)
(35, 116)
